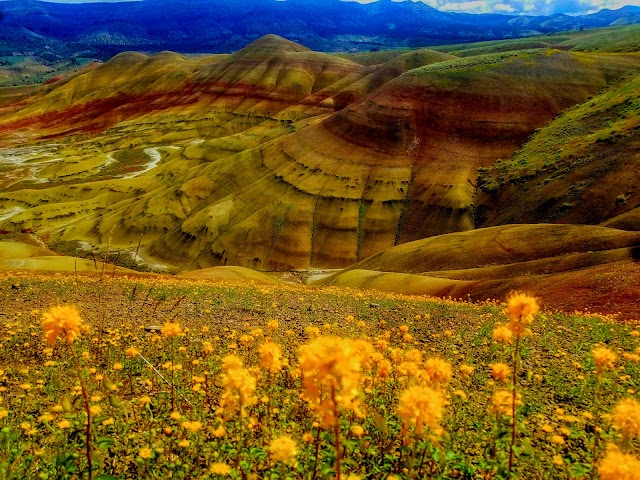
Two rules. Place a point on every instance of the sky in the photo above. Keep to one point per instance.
(525, 7)
(513, 7)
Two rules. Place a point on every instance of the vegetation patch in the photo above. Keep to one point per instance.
(157, 377)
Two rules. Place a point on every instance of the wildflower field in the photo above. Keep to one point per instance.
(152, 377)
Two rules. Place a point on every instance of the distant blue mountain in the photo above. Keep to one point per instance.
(226, 25)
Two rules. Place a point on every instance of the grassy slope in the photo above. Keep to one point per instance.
(581, 168)
(426, 55)
(610, 39)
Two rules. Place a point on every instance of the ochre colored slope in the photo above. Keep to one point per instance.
(238, 274)
(243, 159)
(399, 165)
(19, 253)
(266, 77)
(498, 246)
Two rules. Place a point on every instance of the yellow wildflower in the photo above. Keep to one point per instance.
(313, 332)
(171, 329)
(220, 468)
(63, 424)
(271, 357)
(604, 359)
(626, 417)
(145, 453)
(502, 401)
(63, 320)
(503, 334)
(421, 407)
(331, 368)
(283, 449)
(438, 371)
(131, 352)
(192, 426)
(618, 466)
(239, 387)
(500, 372)
(460, 394)
(466, 370)
(520, 311)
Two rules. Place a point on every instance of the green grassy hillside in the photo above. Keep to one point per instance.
(612, 39)
(581, 168)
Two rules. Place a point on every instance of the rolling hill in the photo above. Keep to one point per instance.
(280, 158)
(570, 266)
(581, 168)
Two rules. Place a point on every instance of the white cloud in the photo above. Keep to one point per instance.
(473, 6)
(529, 7)
(504, 8)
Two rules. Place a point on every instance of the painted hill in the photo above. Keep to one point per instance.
(399, 165)
(268, 76)
(588, 261)
(277, 157)
(280, 158)
(581, 168)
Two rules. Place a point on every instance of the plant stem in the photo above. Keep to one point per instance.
(336, 433)
(173, 397)
(87, 408)
(424, 455)
(596, 402)
(513, 402)
(315, 462)
(240, 442)
(269, 427)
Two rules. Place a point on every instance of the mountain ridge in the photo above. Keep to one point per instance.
(221, 26)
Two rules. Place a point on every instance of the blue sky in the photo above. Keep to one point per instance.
(514, 7)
